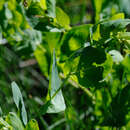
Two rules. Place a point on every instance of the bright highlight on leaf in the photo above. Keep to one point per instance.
(14, 121)
(51, 8)
(62, 18)
(57, 102)
(18, 99)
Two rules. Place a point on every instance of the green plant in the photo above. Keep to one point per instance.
(87, 67)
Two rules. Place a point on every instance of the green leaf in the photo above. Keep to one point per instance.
(35, 8)
(90, 71)
(33, 37)
(28, 43)
(72, 62)
(124, 6)
(42, 3)
(118, 16)
(57, 102)
(51, 8)
(42, 58)
(96, 32)
(44, 50)
(32, 125)
(124, 35)
(45, 107)
(74, 39)
(119, 108)
(5, 124)
(126, 64)
(113, 25)
(107, 65)
(97, 8)
(8, 13)
(62, 18)
(14, 121)
(53, 40)
(18, 99)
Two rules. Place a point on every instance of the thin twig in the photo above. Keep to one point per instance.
(76, 85)
(56, 124)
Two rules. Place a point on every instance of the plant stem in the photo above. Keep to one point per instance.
(76, 85)
(60, 86)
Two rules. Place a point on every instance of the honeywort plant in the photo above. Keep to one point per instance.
(84, 70)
